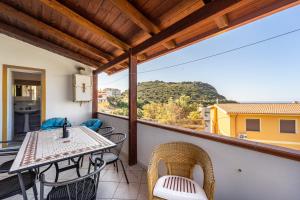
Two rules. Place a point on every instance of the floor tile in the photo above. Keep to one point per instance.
(143, 192)
(127, 191)
(133, 176)
(106, 189)
(144, 177)
(111, 175)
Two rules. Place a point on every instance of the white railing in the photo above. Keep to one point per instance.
(240, 173)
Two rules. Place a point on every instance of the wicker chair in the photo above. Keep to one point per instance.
(106, 130)
(180, 159)
(84, 187)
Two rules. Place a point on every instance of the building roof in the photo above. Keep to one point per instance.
(261, 108)
(103, 33)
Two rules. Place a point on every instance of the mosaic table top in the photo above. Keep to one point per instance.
(43, 147)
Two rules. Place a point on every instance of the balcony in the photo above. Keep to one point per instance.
(239, 170)
(57, 39)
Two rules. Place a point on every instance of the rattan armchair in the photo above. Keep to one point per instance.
(180, 159)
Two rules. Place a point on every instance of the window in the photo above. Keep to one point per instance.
(287, 126)
(253, 125)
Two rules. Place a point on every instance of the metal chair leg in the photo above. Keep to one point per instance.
(82, 161)
(22, 186)
(35, 193)
(117, 166)
(90, 163)
(124, 170)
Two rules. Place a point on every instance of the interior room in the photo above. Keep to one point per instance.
(26, 103)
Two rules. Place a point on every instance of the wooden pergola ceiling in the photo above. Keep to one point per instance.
(100, 33)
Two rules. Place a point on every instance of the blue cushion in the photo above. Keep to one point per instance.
(54, 123)
(93, 124)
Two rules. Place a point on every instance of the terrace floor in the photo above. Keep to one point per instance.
(112, 185)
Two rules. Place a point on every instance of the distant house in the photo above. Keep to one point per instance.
(112, 92)
(205, 112)
(102, 97)
(276, 124)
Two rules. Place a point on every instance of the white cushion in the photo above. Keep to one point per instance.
(178, 188)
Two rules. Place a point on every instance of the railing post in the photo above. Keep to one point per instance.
(95, 96)
(132, 109)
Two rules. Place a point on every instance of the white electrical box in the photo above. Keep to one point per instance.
(82, 87)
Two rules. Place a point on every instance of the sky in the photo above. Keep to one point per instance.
(267, 72)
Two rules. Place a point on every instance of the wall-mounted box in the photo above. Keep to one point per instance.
(82, 87)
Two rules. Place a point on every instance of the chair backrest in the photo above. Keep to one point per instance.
(54, 123)
(180, 159)
(118, 139)
(84, 187)
(8, 148)
(106, 130)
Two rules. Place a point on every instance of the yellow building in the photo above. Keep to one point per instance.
(276, 124)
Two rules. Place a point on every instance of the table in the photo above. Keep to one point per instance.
(41, 148)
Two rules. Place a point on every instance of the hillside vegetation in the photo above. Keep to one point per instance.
(161, 92)
(174, 103)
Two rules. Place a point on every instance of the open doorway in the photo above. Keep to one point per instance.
(26, 93)
(23, 102)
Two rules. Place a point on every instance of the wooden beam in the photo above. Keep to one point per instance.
(95, 96)
(179, 11)
(136, 16)
(132, 109)
(38, 42)
(205, 14)
(222, 21)
(59, 35)
(73, 16)
(139, 19)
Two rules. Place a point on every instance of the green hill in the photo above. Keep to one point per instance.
(161, 92)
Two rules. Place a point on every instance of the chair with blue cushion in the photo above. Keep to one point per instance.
(54, 123)
(93, 124)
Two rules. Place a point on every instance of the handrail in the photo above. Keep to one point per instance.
(251, 145)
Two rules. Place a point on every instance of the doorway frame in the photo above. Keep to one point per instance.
(5, 94)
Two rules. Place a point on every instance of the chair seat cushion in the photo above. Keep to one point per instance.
(178, 188)
(108, 157)
(10, 186)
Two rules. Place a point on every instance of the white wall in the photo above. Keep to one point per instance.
(263, 176)
(59, 72)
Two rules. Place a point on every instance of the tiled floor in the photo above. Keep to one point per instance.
(112, 185)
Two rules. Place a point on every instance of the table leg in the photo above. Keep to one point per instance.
(21, 182)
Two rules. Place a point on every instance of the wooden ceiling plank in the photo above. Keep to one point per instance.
(205, 14)
(141, 20)
(73, 16)
(32, 22)
(41, 43)
(222, 21)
